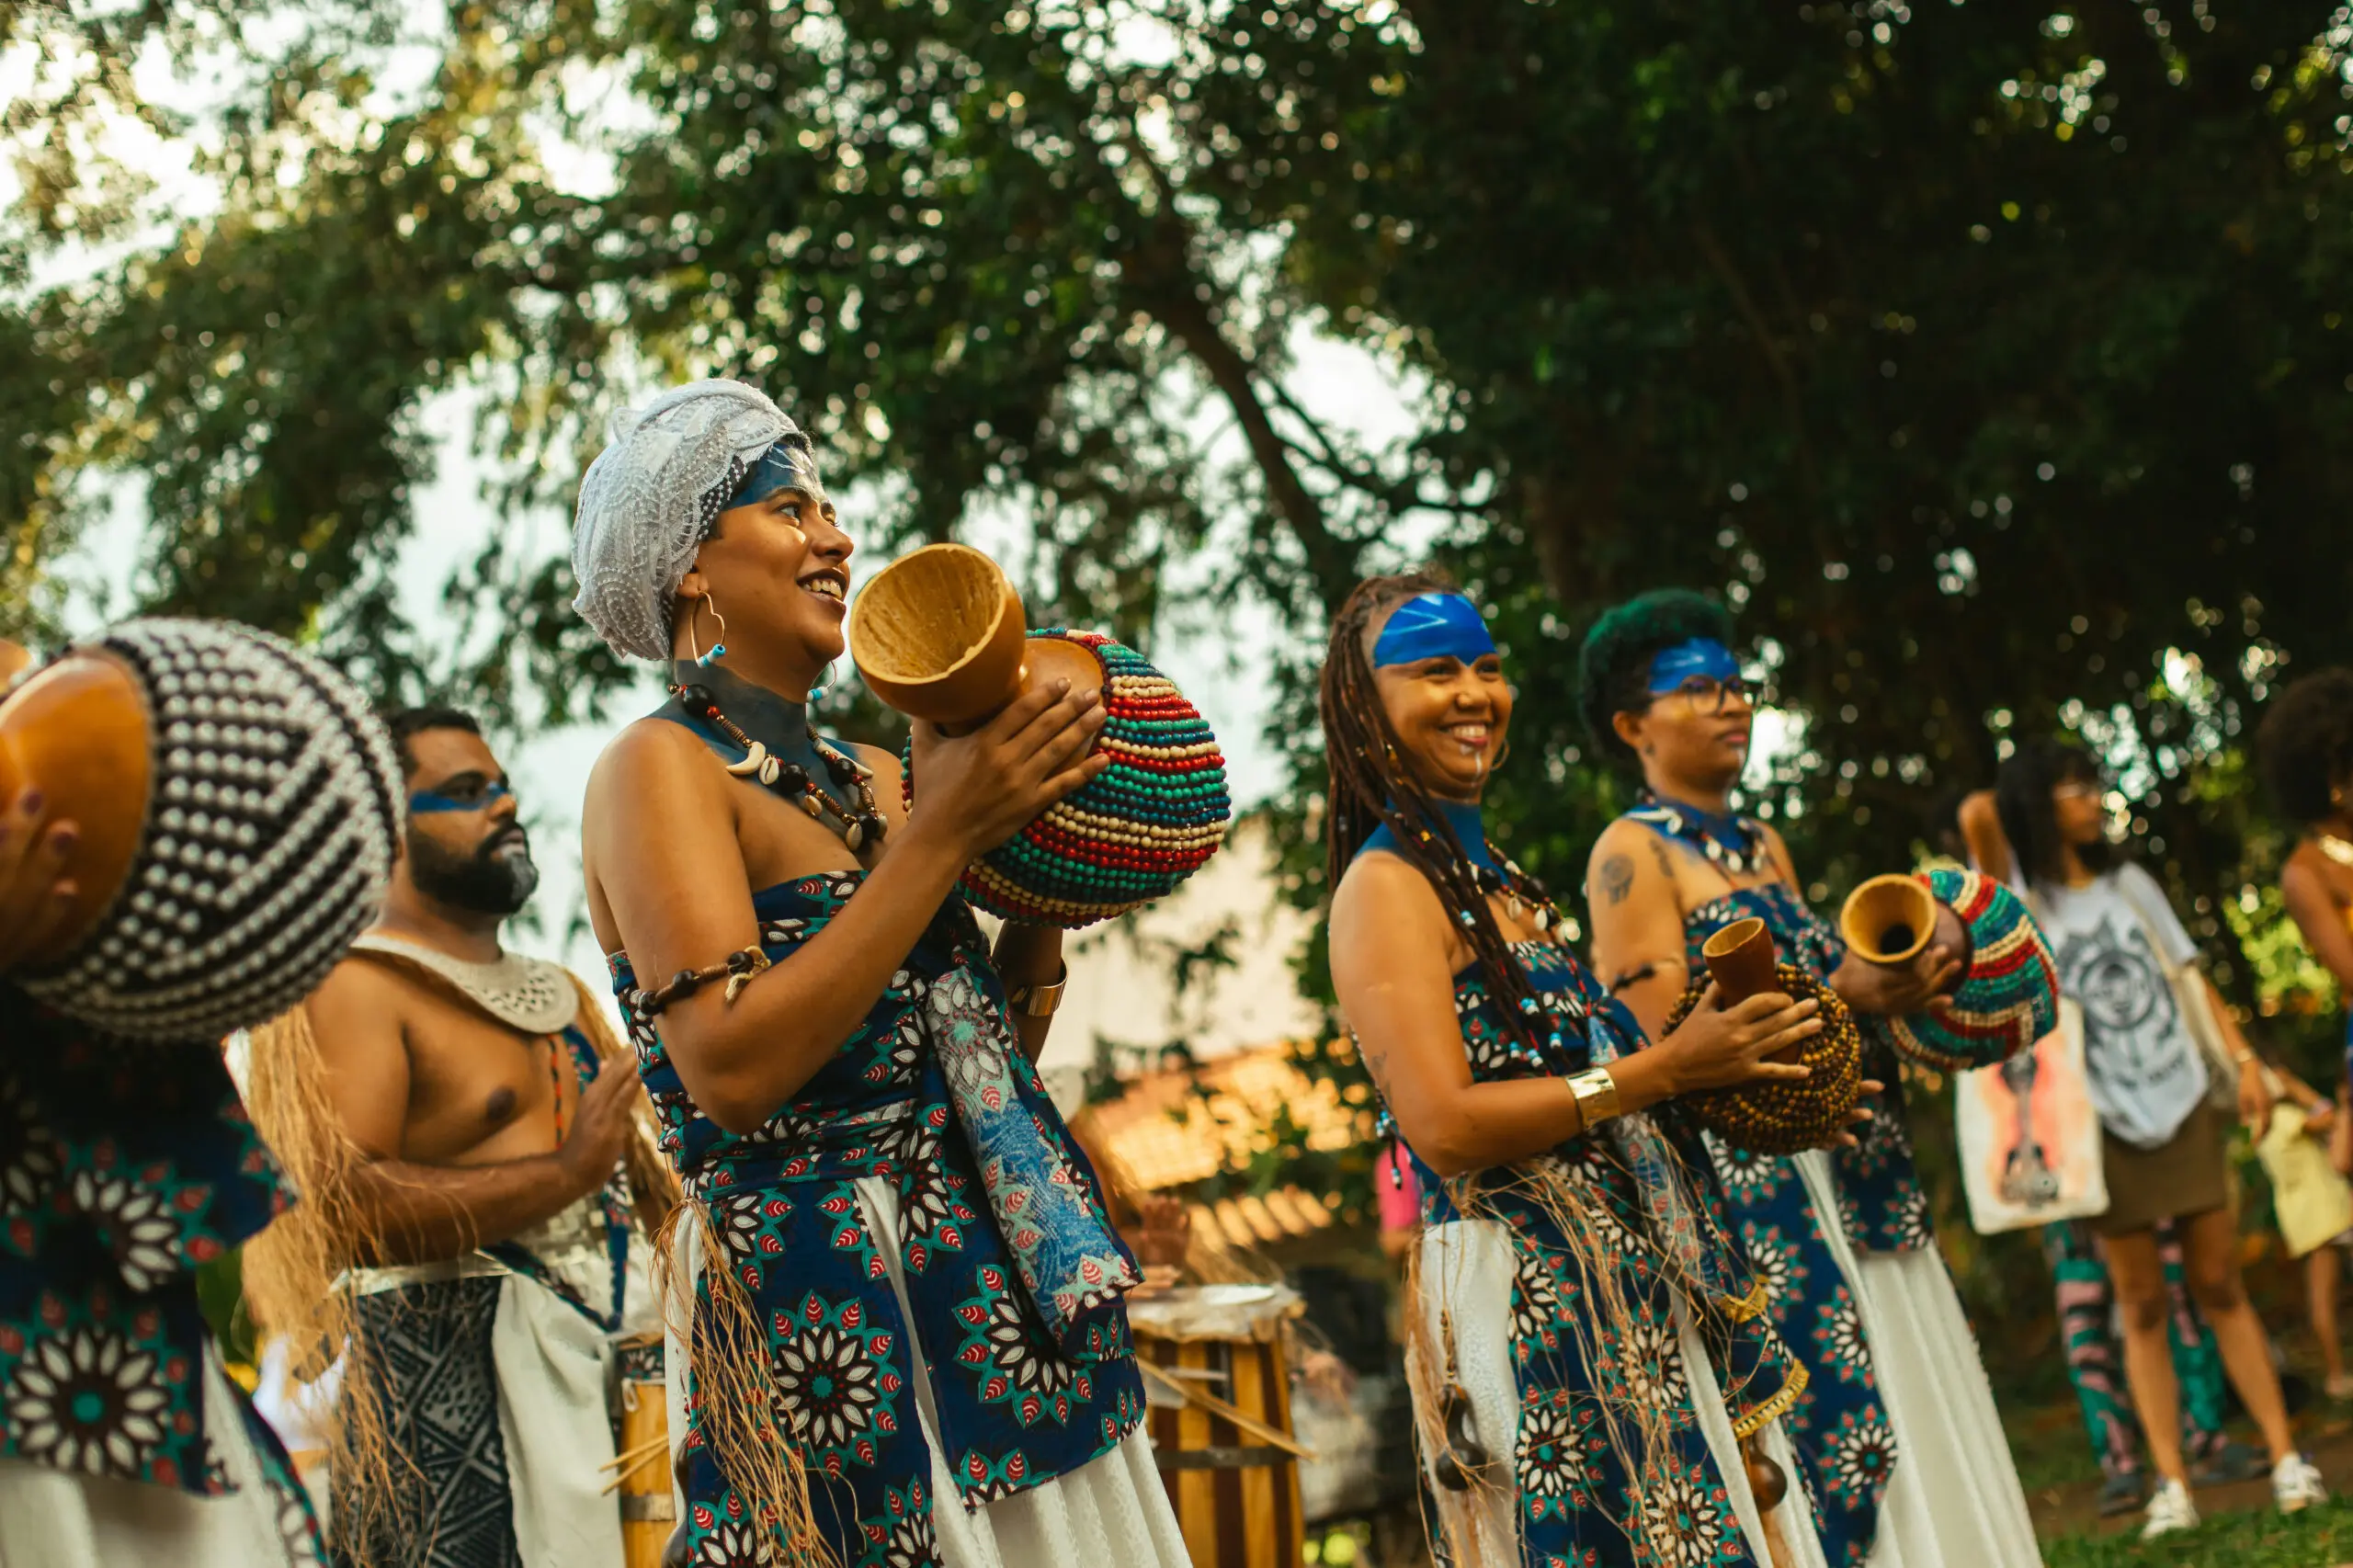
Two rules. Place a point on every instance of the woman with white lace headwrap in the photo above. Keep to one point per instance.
(655, 492)
(929, 1295)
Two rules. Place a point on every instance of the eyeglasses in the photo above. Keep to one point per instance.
(2078, 792)
(468, 795)
(1710, 695)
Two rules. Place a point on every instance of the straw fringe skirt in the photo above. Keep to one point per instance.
(1466, 1273)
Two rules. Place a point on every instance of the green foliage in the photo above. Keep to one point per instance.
(2249, 1538)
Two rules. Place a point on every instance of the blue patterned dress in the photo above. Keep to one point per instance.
(1017, 1403)
(1574, 1357)
(122, 1167)
(1845, 1443)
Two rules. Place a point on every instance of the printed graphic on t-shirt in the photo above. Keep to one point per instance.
(2134, 1045)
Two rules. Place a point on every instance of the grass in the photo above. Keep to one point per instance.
(2318, 1538)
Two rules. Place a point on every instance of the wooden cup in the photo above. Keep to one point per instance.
(1889, 919)
(938, 635)
(1742, 959)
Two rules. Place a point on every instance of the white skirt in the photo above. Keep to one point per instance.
(1954, 1500)
(1111, 1512)
(1467, 1274)
(50, 1519)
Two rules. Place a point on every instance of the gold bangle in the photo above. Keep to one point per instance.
(1597, 1095)
(1039, 1000)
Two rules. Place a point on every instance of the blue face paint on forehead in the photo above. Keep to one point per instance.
(1701, 656)
(787, 465)
(1433, 626)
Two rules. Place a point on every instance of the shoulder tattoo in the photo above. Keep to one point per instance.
(1617, 877)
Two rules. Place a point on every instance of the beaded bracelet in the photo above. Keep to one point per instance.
(737, 968)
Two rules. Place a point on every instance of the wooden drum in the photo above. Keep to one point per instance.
(642, 1422)
(1217, 1386)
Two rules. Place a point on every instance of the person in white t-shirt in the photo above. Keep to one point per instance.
(2123, 956)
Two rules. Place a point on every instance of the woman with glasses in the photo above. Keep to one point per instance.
(2123, 955)
(1898, 1438)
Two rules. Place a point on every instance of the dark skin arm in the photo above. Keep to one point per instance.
(1637, 922)
(1029, 955)
(423, 1213)
(682, 899)
(1981, 829)
(2317, 915)
(1638, 930)
(1391, 947)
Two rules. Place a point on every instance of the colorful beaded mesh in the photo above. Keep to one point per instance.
(2009, 996)
(1137, 830)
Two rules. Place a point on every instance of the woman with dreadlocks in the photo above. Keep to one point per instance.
(1589, 1356)
(1898, 1443)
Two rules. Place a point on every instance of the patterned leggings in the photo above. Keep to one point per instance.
(2094, 1360)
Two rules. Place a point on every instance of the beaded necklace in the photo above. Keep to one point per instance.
(1480, 873)
(1732, 843)
(792, 778)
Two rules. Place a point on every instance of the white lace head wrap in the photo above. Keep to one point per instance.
(652, 494)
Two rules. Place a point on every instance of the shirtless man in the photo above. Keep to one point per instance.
(475, 1235)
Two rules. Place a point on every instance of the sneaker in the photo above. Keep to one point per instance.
(2170, 1510)
(2233, 1461)
(2120, 1495)
(2296, 1485)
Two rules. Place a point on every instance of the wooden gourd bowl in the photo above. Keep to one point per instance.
(1888, 920)
(940, 635)
(2006, 996)
(78, 730)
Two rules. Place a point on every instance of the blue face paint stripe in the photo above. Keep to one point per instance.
(784, 466)
(1701, 656)
(1433, 626)
(430, 803)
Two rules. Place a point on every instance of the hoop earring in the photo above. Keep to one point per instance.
(719, 644)
(824, 682)
(1501, 756)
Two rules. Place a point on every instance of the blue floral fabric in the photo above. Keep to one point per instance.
(1845, 1447)
(1578, 1359)
(122, 1167)
(1017, 1402)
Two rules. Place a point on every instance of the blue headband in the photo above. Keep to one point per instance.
(1434, 626)
(1700, 657)
(787, 465)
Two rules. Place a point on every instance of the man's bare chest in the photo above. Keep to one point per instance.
(480, 1090)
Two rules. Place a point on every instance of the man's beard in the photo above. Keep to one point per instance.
(485, 881)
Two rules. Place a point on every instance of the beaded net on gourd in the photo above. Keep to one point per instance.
(1786, 1116)
(1136, 830)
(271, 821)
(2008, 994)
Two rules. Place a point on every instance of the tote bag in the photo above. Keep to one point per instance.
(2029, 1135)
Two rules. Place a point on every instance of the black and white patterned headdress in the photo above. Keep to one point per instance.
(271, 822)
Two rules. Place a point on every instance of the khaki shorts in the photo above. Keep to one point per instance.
(2184, 1176)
